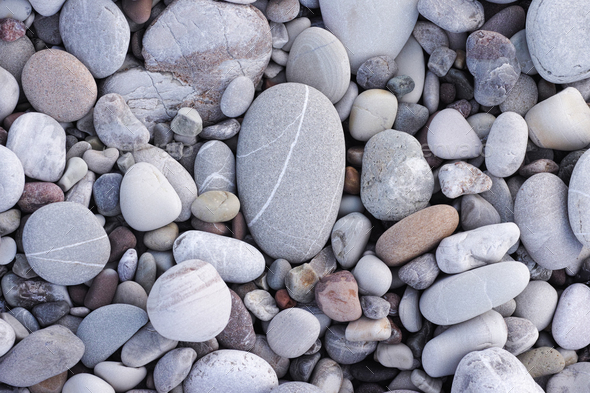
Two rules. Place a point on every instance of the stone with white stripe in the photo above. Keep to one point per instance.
(65, 244)
(290, 170)
(215, 168)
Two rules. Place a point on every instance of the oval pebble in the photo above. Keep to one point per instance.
(216, 206)
(237, 97)
(119, 376)
(84, 381)
(506, 145)
(570, 326)
(12, 179)
(292, 332)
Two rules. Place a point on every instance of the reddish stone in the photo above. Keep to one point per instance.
(463, 106)
(352, 181)
(78, 293)
(284, 300)
(543, 165)
(122, 239)
(354, 156)
(239, 331)
(38, 194)
(217, 228)
(103, 288)
(8, 120)
(11, 29)
(239, 227)
(396, 334)
(138, 10)
(337, 296)
(3, 136)
(50, 385)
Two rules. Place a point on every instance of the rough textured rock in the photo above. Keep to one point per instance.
(238, 43)
(291, 158)
(456, 16)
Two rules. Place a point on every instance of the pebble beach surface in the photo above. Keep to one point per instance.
(294, 196)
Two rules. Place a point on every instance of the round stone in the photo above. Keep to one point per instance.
(12, 179)
(302, 172)
(292, 332)
(237, 97)
(119, 376)
(523, 96)
(574, 378)
(101, 22)
(506, 145)
(337, 296)
(372, 275)
(230, 370)
(216, 206)
(138, 11)
(65, 244)
(318, 59)
(106, 194)
(537, 303)
(372, 112)
(571, 321)
(451, 137)
(173, 368)
(376, 72)
(145, 346)
(189, 302)
(542, 361)
(522, 335)
(47, 8)
(14, 55)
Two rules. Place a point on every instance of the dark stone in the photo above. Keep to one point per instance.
(417, 341)
(567, 164)
(301, 368)
(507, 22)
(401, 85)
(239, 331)
(447, 93)
(78, 293)
(38, 194)
(393, 300)
(19, 292)
(410, 118)
(50, 312)
(462, 84)
(106, 193)
(47, 29)
(375, 307)
(103, 288)
(463, 106)
(122, 239)
(370, 388)
(375, 72)
(371, 371)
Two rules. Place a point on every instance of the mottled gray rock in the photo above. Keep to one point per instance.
(537, 303)
(479, 370)
(25, 317)
(242, 264)
(19, 292)
(349, 237)
(106, 194)
(540, 211)
(557, 61)
(457, 298)
(574, 378)
(28, 363)
(101, 22)
(522, 335)
(50, 312)
(571, 321)
(215, 168)
(250, 372)
(420, 272)
(238, 95)
(476, 212)
(116, 126)
(451, 137)
(405, 186)
(430, 36)
(106, 329)
(65, 244)
(287, 127)
(302, 367)
(173, 368)
(9, 221)
(500, 198)
(145, 345)
(12, 180)
(461, 178)
(506, 145)
(522, 97)
(375, 307)
(375, 72)
(344, 351)
(410, 118)
(456, 16)
(14, 55)
(409, 310)
(221, 131)
(441, 60)
(40, 144)
(47, 29)
(261, 304)
(327, 375)
(238, 43)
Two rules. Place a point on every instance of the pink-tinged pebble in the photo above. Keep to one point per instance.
(11, 29)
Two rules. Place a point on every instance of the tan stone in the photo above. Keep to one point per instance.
(337, 296)
(50, 385)
(542, 361)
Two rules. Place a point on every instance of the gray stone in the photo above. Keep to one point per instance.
(506, 309)
(451, 137)
(571, 321)
(47, 8)
(441, 60)
(476, 212)
(145, 346)
(302, 367)
(522, 335)
(277, 272)
(216, 206)
(7, 337)
(500, 198)
(173, 368)
(161, 239)
(373, 111)
(221, 131)
(101, 22)
(372, 275)
(9, 220)
(76, 169)
(19, 292)
(215, 168)
(519, 41)
(25, 317)
(522, 97)
(242, 264)
(40, 144)
(296, 387)
(250, 372)
(47, 29)
(431, 94)
(344, 106)
(327, 375)
(22, 268)
(279, 363)
(106, 329)
(261, 304)
(395, 356)
(101, 161)
(279, 33)
(409, 310)
(50, 312)
(375, 307)
(375, 72)
(292, 332)
(130, 292)
(495, 367)
(105, 191)
(578, 200)
(14, 55)
(410, 118)
(41, 355)
(355, 32)
(574, 378)
(557, 61)
(537, 303)
(420, 272)
(12, 180)
(462, 178)
(187, 123)
(238, 43)
(456, 16)
(10, 93)
(116, 126)
(430, 36)
(349, 238)
(401, 85)
(146, 271)
(82, 191)
(405, 186)
(306, 128)
(127, 265)
(344, 351)
(238, 95)
(20, 331)
(463, 296)
(540, 211)
(506, 145)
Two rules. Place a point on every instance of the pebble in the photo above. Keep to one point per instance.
(375, 307)
(349, 238)
(401, 85)
(119, 376)
(522, 97)
(50, 312)
(327, 375)
(215, 168)
(410, 62)
(451, 137)
(476, 212)
(375, 72)
(12, 180)
(9, 221)
(366, 329)
(173, 368)
(573, 378)
(372, 275)
(337, 296)
(569, 326)
(216, 206)
(344, 106)
(369, 26)
(442, 354)
(130, 292)
(373, 111)
(17, 9)
(187, 122)
(441, 60)
(138, 11)
(577, 196)
(315, 132)
(430, 36)
(67, 101)
(14, 55)
(27, 365)
(65, 244)
(456, 16)
(244, 263)
(452, 292)
(492, 367)
(39, 143)
(279, 364)
(299, 325)
(343, 351)
(176, 305)
(116, 126)
(76, 170)
(546, 195)
(7, 337)
(398, 356)
(409, 183)
(84, 381)
(461, 178)
(296, 387)
(506, 144)
(318, 59)
(523, 55)
(127, 265)
(101, 161)
(261, 304)
(416, 234)
(282, 11)
(420, 272)
(102, 290)
(221, 131)
(10, 92)
(560, 122)
(106, 193)
(542, 361)
(237, 96)
(537, 303)
(161, 239)
(300, 282)
(239, 331)
(145, 346)
(522, 335)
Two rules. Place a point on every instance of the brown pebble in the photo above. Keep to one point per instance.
(354, 156)
(447, 93)
(137, 44)
(50, 385)
(103, 288)
(239, 227)
(396, 334)
(78, 293)
(217, 228)
(3, 136)
(243, 289)
(352, 181)
(416, 234)
(38, 194)
(393, 299)
(543, 165)
(239, 331)
(122, 239)
(138, 10)
(8, 120)
(284, 300)
(11, 29)
(558, 278)
(337, 296)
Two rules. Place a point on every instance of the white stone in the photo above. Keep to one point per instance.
(410, 62)
(349, 238)
(16, 9)
(409, 310)
(47, 7)
(373, 111)
(571, 321)
(462, 178)
(7, 250)
(7, 337)
(537, 303)
(292, 332)
(119, 376)
(237, 97)
(506, 145)
(12, 179)
(451, 137)
(397, 356)
(372, 275)
(9, 91)
(87, 382)
(365, 329)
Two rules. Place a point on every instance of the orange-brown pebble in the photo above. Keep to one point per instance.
(416, 234)
(138, 10)
(354, 156)
(239, 227)
(337, 296)
(352, 181)
(50, 385)
(284, 300)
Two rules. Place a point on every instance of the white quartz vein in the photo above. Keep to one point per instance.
(280, 179)
(66, 247)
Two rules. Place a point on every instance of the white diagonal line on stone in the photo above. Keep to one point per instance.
(68, 246)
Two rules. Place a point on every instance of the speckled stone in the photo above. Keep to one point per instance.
(239, 331)
(456, 16)
(522, 97)
(14, 55)
(303, 111)
(461, 178)
(542, 361)
(38, 194)
(430, 36)
(222, 131)
(20, 292)
(344, 351)
(420, 272)
(522, 335)
(66, 101)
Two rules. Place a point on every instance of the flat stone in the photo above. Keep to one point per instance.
(456, 298)
(451, 137)
(537, 303)
(173, 295)
(492, 367)
(441, 60)
(456, 16)
(50, 312)
(130, 292)
(8, 337)
(344, 351)
(375, 307)
(223, 130)
(26, 364)
(138, 11)
(106, 329)
(106, 194)
(173, 368)
(292, 114)
(430, 36)
(145, 346)
(522, 335)
(215, 168)
(476, 212)
(410, 62)
(542, 361)
(119, 376)
(570, 326)
(416, 234)
(372, 111)
(420, 272)
(523, 96)
(20, 292)
(410, 118)
(216, 206)
(12, 179)
(277, 272)
(15, 54)
(540, 211)
(398, 356)
(67, 101)
(299, 326)
(506, 145)
(337, 296)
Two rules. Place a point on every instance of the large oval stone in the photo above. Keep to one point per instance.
(571, 321)
(578, 200)
(548, 24)
(207, 44)
(291, 158)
